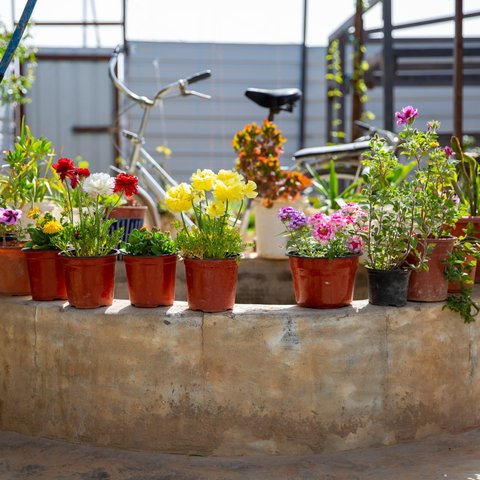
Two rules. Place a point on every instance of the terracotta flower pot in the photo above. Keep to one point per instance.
(431, 285)
(128, 217)
(151, 279)
(211, 284)
(90, 281)
(13, 271)
(323, 283)
(45, 271)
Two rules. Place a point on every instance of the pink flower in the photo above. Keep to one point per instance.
(406, 116)
(323, 233)
(318, 218)
(355, 244)
(448, 151)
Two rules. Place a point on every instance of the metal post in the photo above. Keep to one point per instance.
(458, 71)
(357, 69)
(388, 66)
(303, 77)
(16, 37)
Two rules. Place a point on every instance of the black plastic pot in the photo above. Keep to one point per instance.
(388, 287)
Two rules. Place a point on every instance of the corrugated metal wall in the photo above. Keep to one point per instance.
(199, 132)
(73, 91)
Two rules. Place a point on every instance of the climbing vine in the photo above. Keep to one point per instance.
(335, 89)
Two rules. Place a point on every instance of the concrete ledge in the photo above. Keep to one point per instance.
(259, 380)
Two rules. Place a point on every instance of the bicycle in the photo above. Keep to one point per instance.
(154, 180)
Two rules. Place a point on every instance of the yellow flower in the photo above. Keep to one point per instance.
(228, 192)
(249, 189)
(52, 226)
(203, 180)
(179, 198)
(229, 177)
(33, 212)
(165, 150)
(216, 209)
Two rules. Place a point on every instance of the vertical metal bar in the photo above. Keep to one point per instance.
(357, 69)
(124, 19)
(16, 37)
(344, 88)
(388, 66)
(458, 71)
(303, 77)
(84, 29)
(13, 13)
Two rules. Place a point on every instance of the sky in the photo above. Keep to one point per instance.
(225, 21)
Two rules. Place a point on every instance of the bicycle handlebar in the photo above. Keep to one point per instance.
(178, 85)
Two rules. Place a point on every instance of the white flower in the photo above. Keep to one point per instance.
(99, 184)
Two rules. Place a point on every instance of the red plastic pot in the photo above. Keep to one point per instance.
(45, 271)
(211, 284)
(323, 283)
(13, 271)
(90, 281)
(151, 280)
(431, 285)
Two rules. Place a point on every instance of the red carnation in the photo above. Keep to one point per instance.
(83, 172)
(126, 183)
(65, 168)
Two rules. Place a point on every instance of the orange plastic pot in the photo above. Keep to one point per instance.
(211, 284)
(431, 285)
(90, 281)
(323, 282)
(13, 271)
(151, 280)
(45, 271)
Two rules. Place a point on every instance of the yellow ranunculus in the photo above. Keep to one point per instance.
(203, 180)
(228, 192)
(249, 189)
(179, 198)
(216, 209)
(52, 226)
(229, 177)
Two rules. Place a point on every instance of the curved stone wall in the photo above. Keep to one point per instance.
(258, 380)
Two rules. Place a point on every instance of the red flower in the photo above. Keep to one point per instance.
(83, 172)
(65, 168)
(126, 183)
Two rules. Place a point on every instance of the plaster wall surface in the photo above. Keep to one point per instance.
(262, 379)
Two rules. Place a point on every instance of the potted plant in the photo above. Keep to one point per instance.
(88, 248)
(26, 179)
(45, 269)
(211, 248)
(435, 207)
(150, 258)
(13, 262)
(460, 270)
(323, 252)
(258, 149)
(389, 236)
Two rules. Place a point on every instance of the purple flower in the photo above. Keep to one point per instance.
(9, 216)
(406, 116)
(297, 219)
(448, 151)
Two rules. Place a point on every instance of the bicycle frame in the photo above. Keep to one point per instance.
(151, 191)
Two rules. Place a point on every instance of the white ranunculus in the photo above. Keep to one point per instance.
(99, 184)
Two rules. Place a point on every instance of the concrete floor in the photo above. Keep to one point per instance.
(451, 457)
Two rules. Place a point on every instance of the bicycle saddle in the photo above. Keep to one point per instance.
(276, 99)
